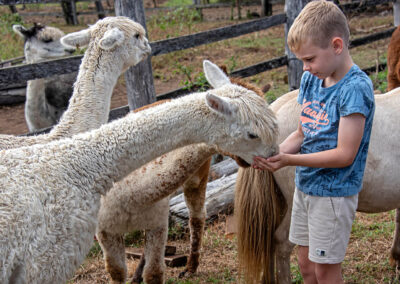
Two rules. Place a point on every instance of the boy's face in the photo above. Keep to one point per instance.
(320, 62)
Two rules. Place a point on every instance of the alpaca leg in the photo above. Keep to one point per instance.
(18, 275)
(283, 249)
(154, 251)
(395, 250)
(114, 255)
(195, 191)
(138, 275)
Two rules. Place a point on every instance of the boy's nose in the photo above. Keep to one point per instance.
(306, 67)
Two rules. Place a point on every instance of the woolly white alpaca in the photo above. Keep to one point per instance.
(51, 193)
(114, 44)
(46, 99)
(141, 201)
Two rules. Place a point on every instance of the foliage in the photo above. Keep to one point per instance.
(9, 38)
(95, 250)
(177, 19)
(379, 80)
(134, 238)
(199, 82)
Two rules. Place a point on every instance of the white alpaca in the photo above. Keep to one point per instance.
(46, 98)
(114, 44)
(51, 193)
(141, 201)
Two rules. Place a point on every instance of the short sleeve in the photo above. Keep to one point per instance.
(357, 97)
(303, 86)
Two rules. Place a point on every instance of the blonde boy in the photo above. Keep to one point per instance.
(330, 144)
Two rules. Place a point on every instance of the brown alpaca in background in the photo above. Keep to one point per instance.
(393, 61)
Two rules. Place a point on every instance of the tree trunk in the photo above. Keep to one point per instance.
(295, 66)
(139, 78)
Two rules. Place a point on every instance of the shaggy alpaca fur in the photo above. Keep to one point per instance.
(114, 44)
(51, 193)
(46, 98)
(141, 201)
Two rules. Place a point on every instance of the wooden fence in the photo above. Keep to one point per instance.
(10, 77)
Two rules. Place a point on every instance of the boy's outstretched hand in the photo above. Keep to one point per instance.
(271, 164)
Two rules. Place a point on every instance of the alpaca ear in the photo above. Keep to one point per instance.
(221, 105)
(76, 39)
(112, 38)
(20, 30)
(214, 75)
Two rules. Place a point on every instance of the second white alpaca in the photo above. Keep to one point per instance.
(51, 193)
(113, 45)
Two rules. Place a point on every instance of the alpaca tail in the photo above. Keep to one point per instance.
(258, 210)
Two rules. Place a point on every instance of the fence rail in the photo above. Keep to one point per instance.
(18, 74)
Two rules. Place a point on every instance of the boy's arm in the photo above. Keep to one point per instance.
(351, 130)
(291, 145)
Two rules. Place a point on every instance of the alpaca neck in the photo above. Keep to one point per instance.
(126, 144)
(36, 111)
(89, 105)
(166, 173)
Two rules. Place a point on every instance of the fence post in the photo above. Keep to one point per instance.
(139, 78)
(100, 9)
(295, 66)
(396, 12)
(266, 8)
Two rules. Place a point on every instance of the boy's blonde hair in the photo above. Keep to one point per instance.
(319, 21)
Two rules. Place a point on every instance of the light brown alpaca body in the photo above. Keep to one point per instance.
(380, 191)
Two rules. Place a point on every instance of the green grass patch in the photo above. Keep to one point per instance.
(11, 44)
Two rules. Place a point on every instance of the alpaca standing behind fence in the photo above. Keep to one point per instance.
(113, 45)
(51, 193)
(46, 98)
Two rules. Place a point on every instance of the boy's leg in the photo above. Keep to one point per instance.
(329, 273)
(330, 222)
(298, 234)
(307, 267)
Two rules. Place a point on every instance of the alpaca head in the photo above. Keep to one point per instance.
(119, 39)
(42, 42)
(251, 128)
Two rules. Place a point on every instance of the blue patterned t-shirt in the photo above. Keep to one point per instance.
(320, 115)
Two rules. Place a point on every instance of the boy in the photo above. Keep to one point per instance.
(332, 138)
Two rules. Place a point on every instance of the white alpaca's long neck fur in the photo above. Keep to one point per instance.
(124, 145)
(90, 102)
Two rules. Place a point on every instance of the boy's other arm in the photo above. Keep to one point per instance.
(351, 130)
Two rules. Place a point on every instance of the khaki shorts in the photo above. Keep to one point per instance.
(323, 224)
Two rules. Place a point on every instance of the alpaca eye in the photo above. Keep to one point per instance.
(252, 136)
(47, 40)
(137, 36)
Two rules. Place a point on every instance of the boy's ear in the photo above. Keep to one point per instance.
(337, 44)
